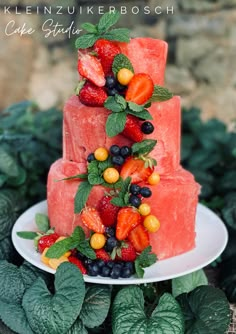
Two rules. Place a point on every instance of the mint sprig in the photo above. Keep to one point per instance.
(144, 260)
(160, 94)
(123, 196)
(102, 30)
(144, 147)
(121, 61)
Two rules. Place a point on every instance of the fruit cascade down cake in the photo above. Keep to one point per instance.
(120, 177)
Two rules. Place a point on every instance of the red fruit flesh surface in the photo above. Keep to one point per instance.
(47, 241)
(108, 212)
(78, 264)
(90, 68)
(92, 96)
(132, 129)
(106, 50)
(135, 169)
(139, 238)
(128, 253)
(140, 88)
(92, 220)
(127, 219)
(102, 255)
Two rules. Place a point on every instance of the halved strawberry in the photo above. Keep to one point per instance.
(92, 96)
(126, 252)
(92, 220)
(132, 129)
(135, 168)
(139, 238)
(90, 68)
(127, 219)
(108, 212)
(46, 241)
(78, 264)
(106, 51)
(140, 88)
(102, 255)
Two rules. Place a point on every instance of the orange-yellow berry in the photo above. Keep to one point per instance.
(54, 263)
(151, 223)
(154, 179)
(97, 240)
(111, 175)
(144, 209)
(44, 258)
(124, 76)
(101, 154)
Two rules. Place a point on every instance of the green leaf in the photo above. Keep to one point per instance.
(115, 124)
(96, 305)
(89, 27)
(160, 94)
(85, 41)
(135, 107)
(55, 313)
(8, 164)
(18, 180)
(121, 61)
(144, 147)
(27, 235)
(118, 201)
(107, 21)
(121, 100)
(94, 175)
(144, 260)
(112, 104)
(42, 222)
(128, 315)
(61, 247)
(77, 328)
(145, 114)
(82, 195)
(78, 234)
(206, 310)
(8, 214)
(189, 282)
(95, 179)
(7, 250)
(85, 248)
(119, 35)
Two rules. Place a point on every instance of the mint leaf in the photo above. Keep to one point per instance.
(115, 124)
(27, 235)
(96, 306)
(77, 327)
(121, 100)
(145, 259)
(119, 35)
(61, 247)
(160, 94)
(121, 61)
(135, 107)
(145, 114)
(85, 41)
(82, 195)
(112, 104)
(94, 175)
(55, 312)
(144, 147)
(77, 176)
(78, 234)
(189, 282)
(42, 222)
(89, 27)
(85, 248)
(206, 310)
(95, 179)
(102, 165)
(107, 21)
(118, 201)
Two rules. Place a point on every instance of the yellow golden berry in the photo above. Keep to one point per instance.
(151, 223)
(101, 154)
(144, 209)
(54, 263)
(97, 240)
(124, 76)
(111, 175)
(154, 179)
(44, 258)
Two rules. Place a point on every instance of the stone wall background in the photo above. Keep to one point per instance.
(201, 62)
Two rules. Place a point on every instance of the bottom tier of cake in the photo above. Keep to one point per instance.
(173, 201)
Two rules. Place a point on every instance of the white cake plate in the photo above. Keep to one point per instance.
(211, 240)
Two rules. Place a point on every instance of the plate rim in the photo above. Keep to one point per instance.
(202, 209)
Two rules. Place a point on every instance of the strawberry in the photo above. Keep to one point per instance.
(127, 252)
(127, 219)
(108, 212)
(78, 264)
(132, 129)
(47, 241)
(91, 219)
(102, 255)
(139, 238)
(92, 96)
(90, 68)
(106, 51)
(140, 88)
(135, 168)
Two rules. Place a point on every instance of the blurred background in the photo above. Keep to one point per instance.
(201, 59)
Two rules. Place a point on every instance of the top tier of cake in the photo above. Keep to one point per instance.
(84, 127)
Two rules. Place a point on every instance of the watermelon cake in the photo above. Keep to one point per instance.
(120, 178)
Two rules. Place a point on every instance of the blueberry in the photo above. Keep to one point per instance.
(121, 88)
(145, 192)
(93, 269)
(112, 91)
(134, 189)
(81, 256)
(135, 201)
(115, 272)
(147, 128)
(125, 151)
(115, 150)
(110, 231)
(110, 81)
(118, 160)
(87, 262)
(105, 271)
(125, 272)
(129, 265)
(90, 157)
(111, 243)
(100, 264)
(110, 264)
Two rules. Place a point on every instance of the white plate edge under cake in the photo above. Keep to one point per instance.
(211, 240)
